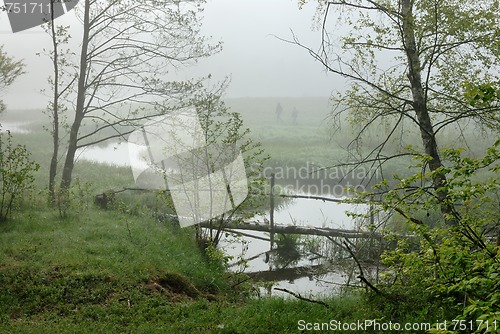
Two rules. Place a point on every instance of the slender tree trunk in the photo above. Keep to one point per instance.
(55, 113)
(55, 153)
(420, 106)
(80, 104)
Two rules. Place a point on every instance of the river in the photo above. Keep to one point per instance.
(304, 272)
(310, 277)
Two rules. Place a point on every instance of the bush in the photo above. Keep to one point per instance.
(16, 173)
(75, 200)
(454, 271)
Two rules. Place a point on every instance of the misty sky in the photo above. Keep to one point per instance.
(258, 63)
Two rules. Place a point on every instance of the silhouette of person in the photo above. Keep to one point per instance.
(279, 111)
(295, 114)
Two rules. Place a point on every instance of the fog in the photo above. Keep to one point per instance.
(257, 61)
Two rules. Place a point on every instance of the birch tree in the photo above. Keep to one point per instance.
(61, 82)
(127, 51)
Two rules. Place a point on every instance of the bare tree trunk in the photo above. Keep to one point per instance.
(69, 163)
(420, 106)
(55, 113)
(53, 160)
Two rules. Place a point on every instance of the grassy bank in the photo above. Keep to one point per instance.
(108, 272)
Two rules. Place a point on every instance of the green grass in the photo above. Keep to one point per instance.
(102, 272)
(92, 266)
(102, 240)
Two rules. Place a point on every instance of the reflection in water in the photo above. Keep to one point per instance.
(288, 274)
(287, 251)
(309, 212)
(300, 263)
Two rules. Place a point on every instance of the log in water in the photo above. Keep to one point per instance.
(292, 229)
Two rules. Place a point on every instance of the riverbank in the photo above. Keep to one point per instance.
(110, 272)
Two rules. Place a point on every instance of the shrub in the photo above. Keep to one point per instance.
(75, 200)
(455, 270)
(16, 173)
